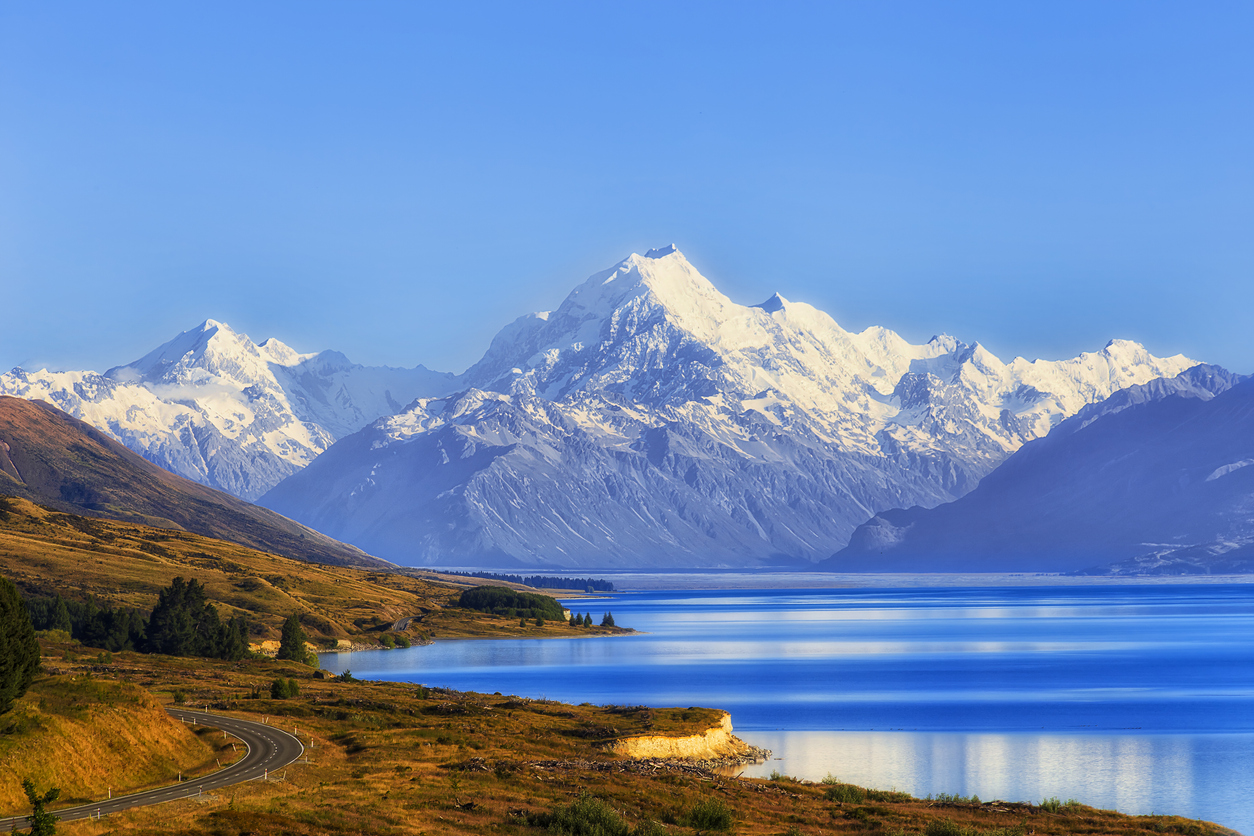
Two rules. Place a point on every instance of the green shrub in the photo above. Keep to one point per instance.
(387, 641)
(282, 689)
(947, 827)
(1051, 804)
(402, 640)
(710, 814)
(844, 794)
(586, 816)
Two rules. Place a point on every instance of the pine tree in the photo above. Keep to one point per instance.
(292, 643)
(607, 620)
(19, 652)
(172, 627)
(42, 823)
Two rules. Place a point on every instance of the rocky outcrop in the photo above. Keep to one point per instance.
(716, 744)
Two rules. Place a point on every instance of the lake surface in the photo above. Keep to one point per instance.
(1135, 698)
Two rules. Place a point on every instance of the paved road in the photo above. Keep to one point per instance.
(403, 624)
(269, 748)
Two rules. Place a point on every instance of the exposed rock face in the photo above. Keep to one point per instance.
(213, 406)
(1156, 478)
(714, 744)
(651, 421)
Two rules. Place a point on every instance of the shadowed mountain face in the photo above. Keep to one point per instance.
(53, 459)
(651, 421)
(1159, 478)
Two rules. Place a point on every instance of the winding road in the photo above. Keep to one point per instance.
(269, 748)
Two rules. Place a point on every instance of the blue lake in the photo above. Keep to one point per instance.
(1135, 698)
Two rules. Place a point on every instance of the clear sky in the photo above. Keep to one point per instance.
(397, 180)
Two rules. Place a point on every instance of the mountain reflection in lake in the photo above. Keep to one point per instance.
(1136, 698)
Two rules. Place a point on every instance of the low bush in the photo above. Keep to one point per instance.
(282, 689)
(710, 814)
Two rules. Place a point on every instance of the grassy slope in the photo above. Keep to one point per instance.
(53, 459)
(391, 758)
(86, 734)
(127, 564)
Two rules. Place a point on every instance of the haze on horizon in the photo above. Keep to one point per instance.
(398, 181)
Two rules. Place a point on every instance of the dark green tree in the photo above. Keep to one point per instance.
(42, 823)
(282, 689)
(172, 627)
(234, 642)
(607, 620)
(19, 652)
(587, 619)
(292, 642)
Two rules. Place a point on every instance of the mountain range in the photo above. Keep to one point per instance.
(647, 421)
(1154, 480)
(215, 407)
(651, 421)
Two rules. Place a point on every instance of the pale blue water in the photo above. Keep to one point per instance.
(1134, 698)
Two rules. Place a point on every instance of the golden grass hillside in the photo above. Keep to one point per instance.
(44, 551)
(87, 734)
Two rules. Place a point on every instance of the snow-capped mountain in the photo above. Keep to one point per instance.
(650, 420)
(1154, 479)
(215, 407)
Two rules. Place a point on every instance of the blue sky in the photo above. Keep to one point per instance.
(398, 180)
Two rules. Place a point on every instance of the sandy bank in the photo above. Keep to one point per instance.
(715, 744)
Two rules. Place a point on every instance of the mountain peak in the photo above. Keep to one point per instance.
(662, 252)
(775, 303)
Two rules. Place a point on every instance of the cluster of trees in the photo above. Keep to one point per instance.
(501, 600)
(19, 652)
(541, 582)
(183, 623)
(284, 689)
(607, 620)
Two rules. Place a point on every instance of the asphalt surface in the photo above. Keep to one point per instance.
(269, 748)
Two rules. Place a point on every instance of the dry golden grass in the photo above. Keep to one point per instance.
(87, 734)
(127, 564)
(394, 758)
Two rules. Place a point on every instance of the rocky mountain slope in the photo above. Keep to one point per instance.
(1155, 479)
(650, 420)
(214, 407)
(51, 458)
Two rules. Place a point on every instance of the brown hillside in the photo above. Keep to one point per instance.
(53, 459)
(82, 733)
(45, 551)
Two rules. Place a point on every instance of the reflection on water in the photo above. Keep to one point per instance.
(1139, 699)
(1135, 774)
